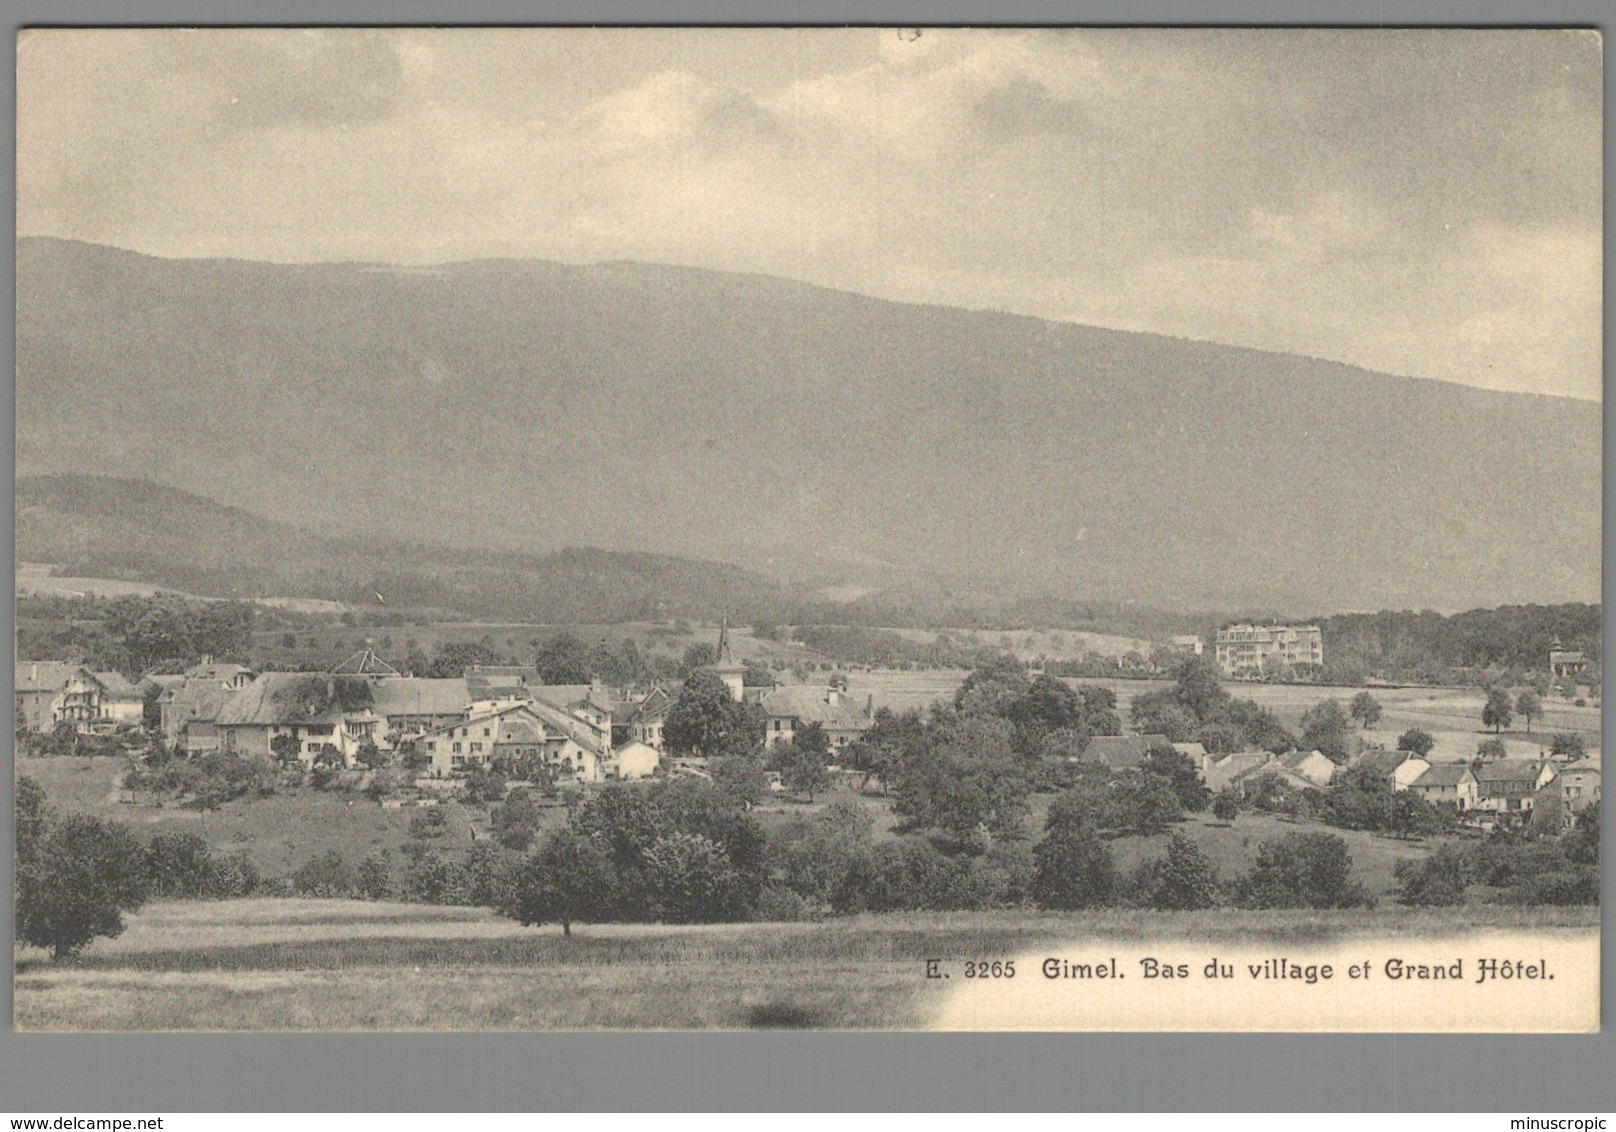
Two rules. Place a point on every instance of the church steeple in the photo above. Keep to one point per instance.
(733, 675)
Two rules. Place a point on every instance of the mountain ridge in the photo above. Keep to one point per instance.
(687, 411)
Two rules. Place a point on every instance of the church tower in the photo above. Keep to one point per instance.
(733, 675)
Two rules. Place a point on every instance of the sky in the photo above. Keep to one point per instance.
(1419, 202)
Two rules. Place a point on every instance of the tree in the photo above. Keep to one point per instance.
(1498, 711)
(1178, 771)
(374, 877)
(484, 786)
(741, 777)
(325, 875)
(1072, 867)
(33, 819)
(693, 880)
(1568, 747)
(816, 857)
(965, 780)
(1325, 729)
(1301, 870)
(569, 880)
(179, 865)
(286, 748)
(369, 755)
(75, 880)
(1491, 750)
(517, 821)
(1436, 880)
(1225, 807)
(1184, 878)
(801, 763)
(1365, 709)
(1529, 707)
(1416, 741)
(706, 721)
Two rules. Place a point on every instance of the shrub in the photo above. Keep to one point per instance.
(1226, 807)
(1183, 878)
(326, 875)
(1072, 867)
(1301, 870)
(374, 878)
(1435, 881)
(693, 881)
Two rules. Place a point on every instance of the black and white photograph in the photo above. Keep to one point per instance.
(830, 529)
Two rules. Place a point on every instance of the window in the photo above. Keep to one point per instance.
(476, 747)
(457, 748)
(431, 746)
(486, 733)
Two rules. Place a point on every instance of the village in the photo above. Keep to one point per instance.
(364, 713)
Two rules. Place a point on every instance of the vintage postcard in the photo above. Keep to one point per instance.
(843, 529)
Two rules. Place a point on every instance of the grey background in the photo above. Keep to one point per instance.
(48, 1075)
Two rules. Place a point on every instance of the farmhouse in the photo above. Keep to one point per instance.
(1311, 765)
(1566, 662)
(1507, 786)
(1247, 651)
(1400, 768)
(529, 730)
(640, 720)
(1453, 783)
(1222, 774)
(789, 708)
(50, 693)
(633, 760)
(1577, 786)
(319, 711)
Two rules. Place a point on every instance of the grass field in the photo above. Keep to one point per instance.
(347, 965)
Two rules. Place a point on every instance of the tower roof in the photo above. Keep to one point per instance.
(726, 655)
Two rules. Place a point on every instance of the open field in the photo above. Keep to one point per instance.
(349, 965)
(280, 832)
(1451, 715)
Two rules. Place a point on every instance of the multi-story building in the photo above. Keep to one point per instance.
(1248, 651)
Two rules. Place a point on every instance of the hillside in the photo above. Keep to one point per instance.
(534, 406)
(105, 527)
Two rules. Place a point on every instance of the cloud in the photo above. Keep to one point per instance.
(1426, 202)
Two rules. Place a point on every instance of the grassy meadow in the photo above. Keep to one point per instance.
(296, 965)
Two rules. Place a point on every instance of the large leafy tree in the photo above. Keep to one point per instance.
(966, 779)
(75, 879)
(706, 721)
(1301, 870)
(1325, 729)
(1498, 711)
(1365, 709)
(1072, 866)
(569, 880)
(1529, 706)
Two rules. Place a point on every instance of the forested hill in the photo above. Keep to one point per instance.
(761, 421)
(1428, 647)
(95, 526)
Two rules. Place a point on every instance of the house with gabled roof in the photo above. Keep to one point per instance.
(1311, 765)
(1508, 785)
(1226, 771)
(49, 693)
(1450, 783)
(787, 708)
(38, 686)
(640, 720)
(535, 729)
